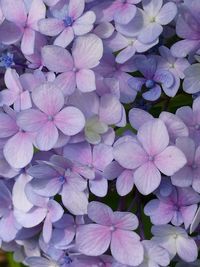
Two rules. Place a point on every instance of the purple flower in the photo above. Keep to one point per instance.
(187, 27)
(151, 156)
(9, 227)
(154, 78)
(59, 177)
(190, 116)
(70, 22)
(111, 228)
(175, 240)
(90, 162)
(50, 116)
(15, 11)
(178, 207)
(76, 69)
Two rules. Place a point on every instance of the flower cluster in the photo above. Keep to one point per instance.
(100, 132)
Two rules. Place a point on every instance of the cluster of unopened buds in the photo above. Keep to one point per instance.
(100, 132)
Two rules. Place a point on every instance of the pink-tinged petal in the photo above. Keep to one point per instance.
(186, 249)
(36, 13)
(32, 218)
(47, 136)
(87, 51)
(51, 26)
(8, 97)
(138, 117)
(125, 14)
(8, 126)
(123, 153)
(125, 220)
(20, 200)
(8, 222)
(66, 82)
(110, 110)
(12, 81)
(76, 202)
(150, 33)
(170, 160)
(85, 80)
(47, 229)
(93, 239)
(18, 150)
(99, 186)
(76, 8)
(126, 247)
(57, 58)
(125, 183)
(28, 41)
(25, 101)
(84, 24)
(147, 178)
(15, 11)
(31, 120)
(102, 156)
(100, 213)
(70, 120)
(195, 221)
(65, 38)
(48, 99)
(167, 13)
(36, 261)
(153, 136)
(159, 212)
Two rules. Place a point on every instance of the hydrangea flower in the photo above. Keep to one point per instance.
(50, 116)
(71, 22)
(15, 11)
(152, 156)
(76, 69)
(112, 229)
(175, 240)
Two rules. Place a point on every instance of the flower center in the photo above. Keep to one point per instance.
(6, 60)
(50, 118)
(68, 21)
(150, 84)
(62, 179)
(151, 158)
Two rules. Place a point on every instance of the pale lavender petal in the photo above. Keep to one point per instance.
(76, 8)
(84, 24)
(18, 150)
(100, 213)
(126, 247)
(87, 51)
(147, 178)
(65, 38)
(153, 136)
(166, 14)
(93, 239)
(123, 153)
(51, 26)
(138, 117)
(57, 58)
(85, 80)
(125, 183)
(48, 99)
(170, 160)
(70, 120)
